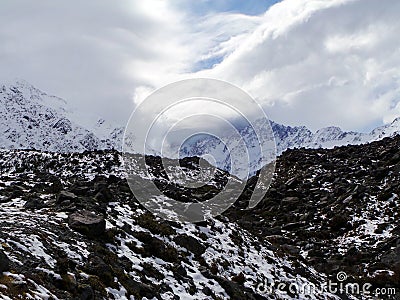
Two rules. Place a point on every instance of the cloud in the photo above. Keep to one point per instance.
(105, 57)
(321, 63)
(93, 53)
(310, 62)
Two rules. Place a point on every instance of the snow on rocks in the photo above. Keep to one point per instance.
(327, 210)
(135, 256)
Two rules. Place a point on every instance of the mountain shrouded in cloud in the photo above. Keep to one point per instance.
(316, 63)
(33, 119)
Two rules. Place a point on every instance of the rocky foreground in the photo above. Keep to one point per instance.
(71, 229)
(336, 210)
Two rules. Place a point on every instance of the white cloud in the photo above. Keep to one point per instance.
(311, 62)
(321, 63)
(94, 53)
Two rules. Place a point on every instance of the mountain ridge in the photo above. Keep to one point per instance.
(32, 119)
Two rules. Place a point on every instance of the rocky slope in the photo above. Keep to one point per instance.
(336, 210)
(71, 229)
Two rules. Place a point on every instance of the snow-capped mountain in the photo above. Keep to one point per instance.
(286, 137)
(72, 229)
(32, 119)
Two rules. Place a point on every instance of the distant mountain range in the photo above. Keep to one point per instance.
(286, 137)
(32, 119)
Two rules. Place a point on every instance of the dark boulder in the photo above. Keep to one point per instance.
(338, 222)
(97, 266)
(190, 243)
(239, 278)
(65, 196)
(4, 262)
(86, 292)
(34, 203)
(156, 247)
(87, 223)
(104, 195)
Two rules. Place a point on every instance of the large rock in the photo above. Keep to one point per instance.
(4, 262)
(34, 203)
(66, 196)
(97, 266)
(104, 195)
(191, 244)
(87, 222)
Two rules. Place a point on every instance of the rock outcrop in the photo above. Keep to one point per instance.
(87, 222)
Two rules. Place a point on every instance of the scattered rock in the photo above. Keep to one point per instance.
(338, 222)
(323, 201)
(306, 222)
(156, 247)
(104, 195)
(86, 292)
(96, 266)
(290, 200)
(87, 222)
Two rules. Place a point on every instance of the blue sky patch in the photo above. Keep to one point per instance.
(250, 7)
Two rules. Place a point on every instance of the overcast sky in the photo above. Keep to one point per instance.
(308, 62)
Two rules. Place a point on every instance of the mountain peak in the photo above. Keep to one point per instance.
(30, 118)
(396, 122)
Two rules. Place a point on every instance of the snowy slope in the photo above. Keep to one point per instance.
(288, 137)
(327, 212)
(32, 119)
(137, 256)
